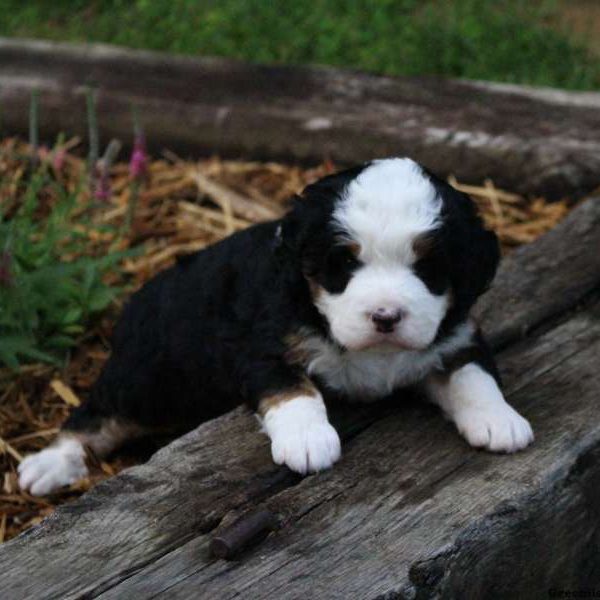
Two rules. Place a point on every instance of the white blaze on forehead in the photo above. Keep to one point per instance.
(386, 207)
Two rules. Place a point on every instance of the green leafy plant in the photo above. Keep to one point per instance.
(53, 278)
(50, 287)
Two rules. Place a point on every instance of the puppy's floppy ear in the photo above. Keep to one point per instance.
(473, 251)
(291, 231)
(311, 211)
(306, 230)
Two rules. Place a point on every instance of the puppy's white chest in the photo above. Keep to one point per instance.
(369, 375)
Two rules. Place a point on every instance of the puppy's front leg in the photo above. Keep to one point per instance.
(471, 397)
(301, 435)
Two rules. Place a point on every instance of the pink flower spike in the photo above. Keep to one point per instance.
(43, 153)
(138, 164)
(58, 159)
(102, 189)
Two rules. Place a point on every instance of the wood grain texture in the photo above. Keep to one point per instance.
(527, 140)
(410, 511)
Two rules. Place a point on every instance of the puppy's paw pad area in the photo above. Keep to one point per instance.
(50, 470)
(308, 449)
(496, 428)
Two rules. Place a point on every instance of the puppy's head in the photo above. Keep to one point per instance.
(389, 252)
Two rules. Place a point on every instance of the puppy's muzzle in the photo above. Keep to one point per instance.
(385, 320)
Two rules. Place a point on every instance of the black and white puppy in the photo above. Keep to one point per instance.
(364, 288)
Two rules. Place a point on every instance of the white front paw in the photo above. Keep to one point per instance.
(301, 436)
(307, 448)
(499, 428)
(53, 468)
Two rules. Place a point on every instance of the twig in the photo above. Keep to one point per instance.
(222, 195)
(34, 139)
(94, 140)
(2, 527)
(483, 192)
(494, 199)
(6, 447)
(34, 434)
(247, 530)
(65, 392)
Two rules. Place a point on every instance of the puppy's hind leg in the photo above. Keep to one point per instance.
(63, 462)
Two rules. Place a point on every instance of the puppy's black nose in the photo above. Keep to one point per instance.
(385, 319)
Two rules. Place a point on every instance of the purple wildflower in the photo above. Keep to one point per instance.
(101, 182)
(43, 153)
(138, 164)
(6, 274)
(58, 159)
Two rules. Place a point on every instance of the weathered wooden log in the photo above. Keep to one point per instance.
(410, 511)
(566, 263)
(526, 139)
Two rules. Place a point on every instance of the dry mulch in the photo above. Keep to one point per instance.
(183, 207)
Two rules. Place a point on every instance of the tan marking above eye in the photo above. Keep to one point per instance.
(354, 248)
(423, 244)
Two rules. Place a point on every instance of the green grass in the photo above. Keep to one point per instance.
(502, 40)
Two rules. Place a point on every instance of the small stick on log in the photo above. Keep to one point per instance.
(248, 529)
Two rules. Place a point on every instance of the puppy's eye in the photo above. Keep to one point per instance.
(341, 258)
(348, 259)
